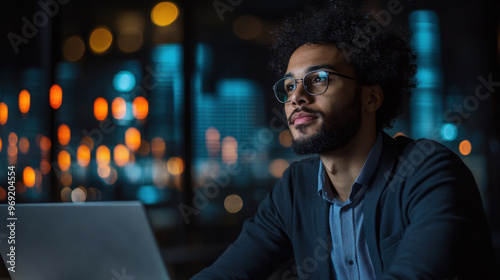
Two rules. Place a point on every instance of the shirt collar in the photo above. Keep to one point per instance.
(325, 187)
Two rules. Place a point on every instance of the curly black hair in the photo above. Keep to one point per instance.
(378, 54)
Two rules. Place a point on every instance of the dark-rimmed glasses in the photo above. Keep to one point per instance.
(315, 83)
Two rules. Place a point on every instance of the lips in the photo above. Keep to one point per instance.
(302, 117)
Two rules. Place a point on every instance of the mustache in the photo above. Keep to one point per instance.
(307, 110)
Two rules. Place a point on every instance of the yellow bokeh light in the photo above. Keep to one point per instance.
(55, 96)
(465, 147)
(175, 166)
(29, 176)
(121, 155)
(133, 139)
(73, 48)
(164, 13)
(83, 155)
(4, 113)
(100, 108)
(277, 167)
(140, 107)
(100, 40)
(233, 203)
(24, 101)
(24, 145)
(119, 108)
(64, 134)
(103, 155)
(64, 160)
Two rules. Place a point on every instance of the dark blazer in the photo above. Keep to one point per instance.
(423, 219)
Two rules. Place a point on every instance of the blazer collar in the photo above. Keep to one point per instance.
(383, 175)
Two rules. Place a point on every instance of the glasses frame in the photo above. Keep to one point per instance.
(328, 73)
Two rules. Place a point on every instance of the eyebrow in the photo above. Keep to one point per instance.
(313, 68)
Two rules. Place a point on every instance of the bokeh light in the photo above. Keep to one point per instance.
(133, 138)
(74, 48)
(29, 176)
(277, 167)
(66, 179)
(55, 96)
(124, 81)
(285, 138)
(4, 113)
(175, 165)
(233, 203)
(164, 13)
(13, 138)
(449, 131)
(103, 155)
(130, 40)
(66, 194)
(247, 27)
(212, 141)
(100, 40)
(1, 144)
(24, 101)
(83, 155)
(148, 194)
(3, 194)
(45, 143)
(24, 145)
(78, 195)
(64, 134)
(64, 160)
(144, 149)
(140, 108)
(158, 147)
(121, 155)
(45, 166)
(465, 147)
(119, 108)
(100, 108)
(229, 150)
(103, 171)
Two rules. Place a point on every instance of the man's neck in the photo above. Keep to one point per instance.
(344, 165)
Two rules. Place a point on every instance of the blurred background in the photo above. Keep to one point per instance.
(171, 103)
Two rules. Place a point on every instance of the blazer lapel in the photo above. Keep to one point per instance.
(380, 181)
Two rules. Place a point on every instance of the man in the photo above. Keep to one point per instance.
(370, 207)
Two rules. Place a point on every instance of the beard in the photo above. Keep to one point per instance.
(345, 127)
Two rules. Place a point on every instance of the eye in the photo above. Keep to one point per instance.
(319, 78)
(289, 86)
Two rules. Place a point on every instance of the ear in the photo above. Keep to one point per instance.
(372, 97)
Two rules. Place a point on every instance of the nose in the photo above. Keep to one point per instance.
(300, 96)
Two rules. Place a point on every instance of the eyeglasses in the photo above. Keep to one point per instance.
(315, 83)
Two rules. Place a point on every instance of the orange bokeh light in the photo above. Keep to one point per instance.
(140, 108)
(55, 96)
(465, 147)
(119, 108)
(64, 160)
(103, 155)
(13, 138)
(24, 101)
(83, 155)
(45, 143)
(4, 113)
(29, 177)
(175, 166)
(64, 134)
(121, 155)
(133, 139)
(24, 145)
(100, 108)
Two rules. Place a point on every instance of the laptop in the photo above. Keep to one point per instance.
(92, 240)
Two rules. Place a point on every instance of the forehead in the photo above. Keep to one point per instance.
(310, 55)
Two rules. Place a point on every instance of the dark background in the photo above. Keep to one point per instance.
(205, 76)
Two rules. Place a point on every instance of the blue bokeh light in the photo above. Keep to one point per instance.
(124, 81)
(449, 132)
(149, 194)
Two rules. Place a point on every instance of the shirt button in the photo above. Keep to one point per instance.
(350, 262)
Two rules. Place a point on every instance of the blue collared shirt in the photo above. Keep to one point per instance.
(350, 256)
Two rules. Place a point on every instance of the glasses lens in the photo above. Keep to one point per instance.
(283, 89)
(316, 82)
